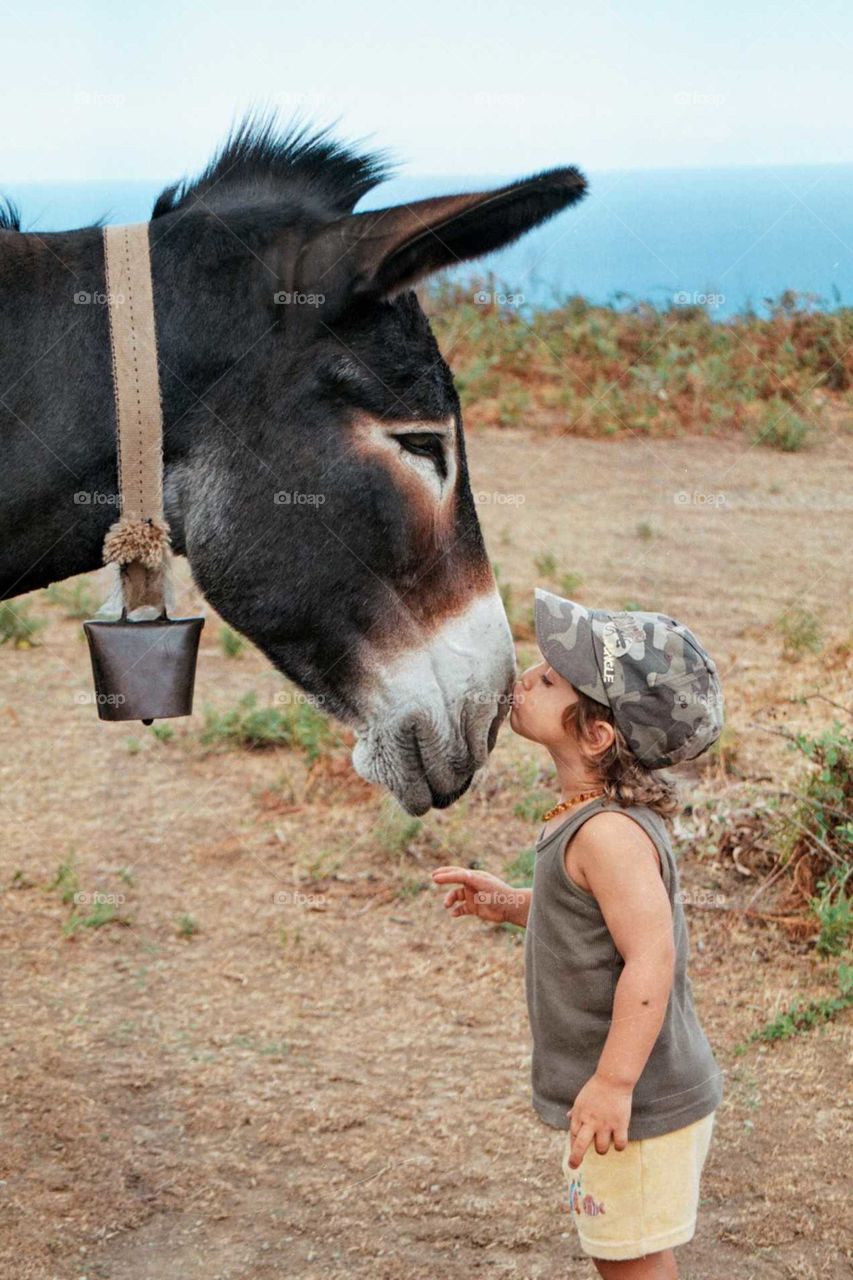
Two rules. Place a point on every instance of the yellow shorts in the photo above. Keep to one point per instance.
(641, 1200)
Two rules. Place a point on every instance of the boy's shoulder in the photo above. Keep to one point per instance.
(612, 834)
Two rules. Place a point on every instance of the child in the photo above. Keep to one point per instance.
(619, 1057)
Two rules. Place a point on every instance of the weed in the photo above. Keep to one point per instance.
(66, 881)
(519, 872)
(779, 427)
(396, 829)
(187, 926)
(232, 644)
(76, 598)
(800, 632)
(802, 1016)
(18, 627)
(248, 725)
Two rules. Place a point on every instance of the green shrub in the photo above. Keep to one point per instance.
(231, 643)
(17, 626)
(800, 632)
(76, 598)
(248, 725)
(779, 427)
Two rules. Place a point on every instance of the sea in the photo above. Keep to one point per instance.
(731, 239)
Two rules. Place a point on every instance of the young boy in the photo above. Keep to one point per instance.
(619, 1057)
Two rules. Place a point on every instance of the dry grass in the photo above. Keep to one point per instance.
(324, 1078)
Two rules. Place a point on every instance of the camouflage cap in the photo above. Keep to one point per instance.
(653, 673)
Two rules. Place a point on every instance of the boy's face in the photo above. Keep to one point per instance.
(539, 701)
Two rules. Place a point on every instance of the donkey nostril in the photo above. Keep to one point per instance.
(493, 731)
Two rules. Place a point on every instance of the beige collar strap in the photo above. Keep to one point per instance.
(139, 541)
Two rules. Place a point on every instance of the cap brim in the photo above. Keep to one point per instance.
(580, 666)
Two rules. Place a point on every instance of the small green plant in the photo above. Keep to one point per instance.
(100, 914)
(411, 887)
(17, 625)
(818, 826)
(833, 909)
(248, 725)
(519, 872)
(396, 829)
(163, 732)
(519, 620)
(779, 427)
(802, 1016)
(570, 582)
(531, 806)
(546, 564)
(513, 405)
(800, 631)
(133, 746)
(232, 644)
(76, 598)
(644, 531)
(325, 864)
(66, 881)
(187, 926)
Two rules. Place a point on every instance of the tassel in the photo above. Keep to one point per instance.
(144, 540)
(141, 549)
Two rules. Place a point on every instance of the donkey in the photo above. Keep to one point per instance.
(314, 463)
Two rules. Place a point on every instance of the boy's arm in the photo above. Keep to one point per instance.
(620, 864)
(521, 909)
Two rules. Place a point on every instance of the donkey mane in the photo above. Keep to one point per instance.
(10, 215)
(258, 165)
(261, 164)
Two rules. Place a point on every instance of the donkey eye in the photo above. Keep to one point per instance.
(425, 444)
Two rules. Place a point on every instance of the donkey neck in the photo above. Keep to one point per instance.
(58, 488)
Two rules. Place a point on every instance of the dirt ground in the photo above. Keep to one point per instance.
(326, 1078)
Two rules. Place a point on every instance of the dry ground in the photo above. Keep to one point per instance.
(328, 1079)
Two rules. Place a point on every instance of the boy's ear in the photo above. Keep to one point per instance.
(601, 735)
(381, 253)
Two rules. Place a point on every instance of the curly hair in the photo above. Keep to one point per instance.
(625, 779)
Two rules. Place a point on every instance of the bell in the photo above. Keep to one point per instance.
(144, 670)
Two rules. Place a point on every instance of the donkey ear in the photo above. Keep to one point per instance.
(386, 251)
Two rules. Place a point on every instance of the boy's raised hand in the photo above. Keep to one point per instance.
(477, 893)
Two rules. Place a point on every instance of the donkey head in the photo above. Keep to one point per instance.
(319, 488)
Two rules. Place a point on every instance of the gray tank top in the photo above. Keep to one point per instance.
(571, 967)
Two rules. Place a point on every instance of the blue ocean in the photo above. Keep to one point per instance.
(729, 239)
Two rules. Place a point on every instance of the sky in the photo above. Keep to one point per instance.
(100, 91)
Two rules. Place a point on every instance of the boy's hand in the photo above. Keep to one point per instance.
(479, 894)
(601, 1111)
